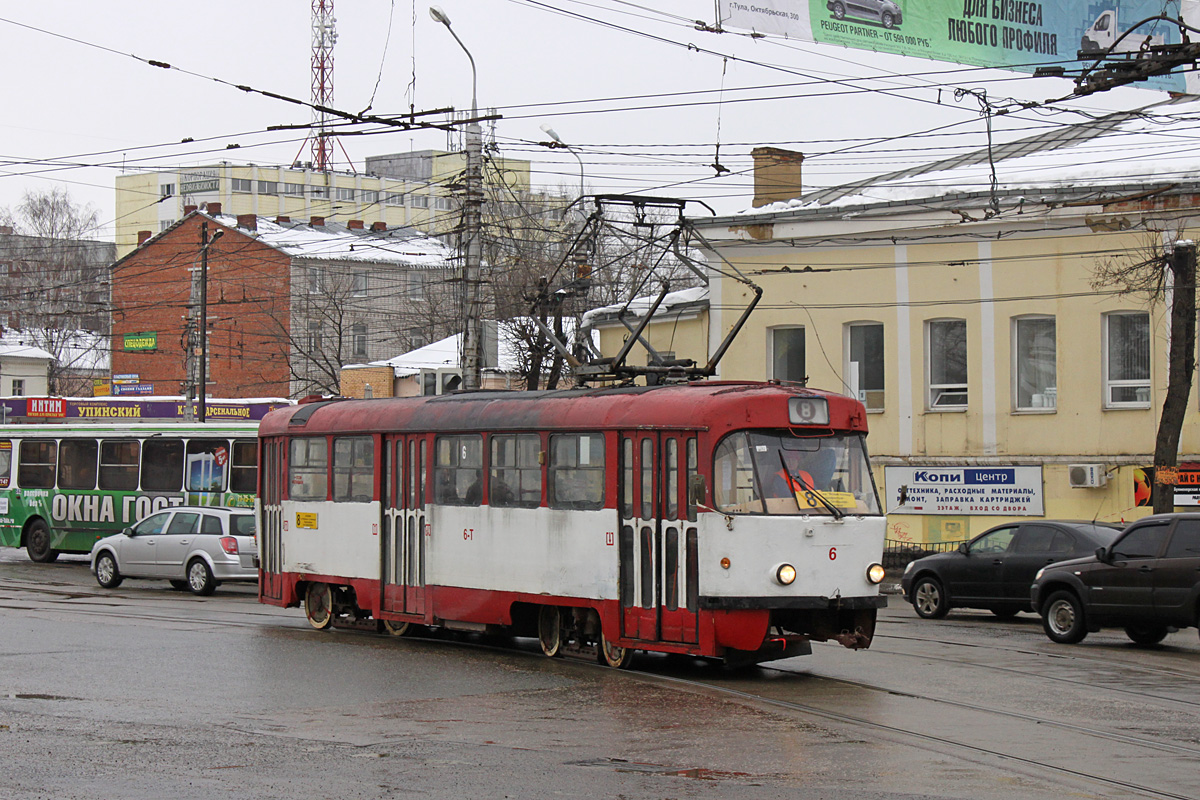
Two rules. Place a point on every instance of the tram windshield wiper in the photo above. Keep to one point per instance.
(837, 512)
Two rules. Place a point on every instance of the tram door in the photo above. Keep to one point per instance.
(657, 545)
(270, 536)
(403, 525)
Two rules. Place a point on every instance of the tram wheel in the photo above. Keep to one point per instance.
(395, 627)
(612, 655)
(37, 543)
(318, 605)
(550, 631)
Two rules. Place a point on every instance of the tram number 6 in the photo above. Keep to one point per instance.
(468, 533)
(833, 554)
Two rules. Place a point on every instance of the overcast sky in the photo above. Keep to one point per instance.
(641, 107)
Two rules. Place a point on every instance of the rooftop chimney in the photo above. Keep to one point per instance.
(282, 220)
(776, 175)
(355, 225)
(379, 226)
(248, 221)
(213, 208)
(6, 229)
(188, 209)
(143, 236)
(317, 222)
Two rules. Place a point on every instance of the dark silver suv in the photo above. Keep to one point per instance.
(1147, 581)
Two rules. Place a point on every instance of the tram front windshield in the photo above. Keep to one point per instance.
(777, 472)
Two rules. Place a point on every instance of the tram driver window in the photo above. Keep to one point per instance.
(515, 471)
(38, 459)
(308, 461)
(734, 486)
(458, 470)
(353, 469)
(577, 471)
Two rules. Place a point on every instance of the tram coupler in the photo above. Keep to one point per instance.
(773, 648)
(854, 640)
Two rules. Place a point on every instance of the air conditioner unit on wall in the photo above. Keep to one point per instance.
(1086, 476)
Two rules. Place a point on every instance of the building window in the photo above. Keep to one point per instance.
(164, 224)
(416, 338)
(294, 189)
(242, 185)
(268, 187)
(320, 191)
(394, 199)
(316, 280)
(1035, 368)
(416, 285)
(369, 197)
(865, 363)
(1127, 360)
(787, 354)
(345, 193)
(18, 387)
(166, 190)
(314, 337)
(359, 287)
(442, 203)
(946, 348)
(419, 200)
(358, 335)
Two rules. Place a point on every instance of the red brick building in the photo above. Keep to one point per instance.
(288, 303)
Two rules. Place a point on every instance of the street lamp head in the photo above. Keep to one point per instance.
(546, 129)
(439, 15)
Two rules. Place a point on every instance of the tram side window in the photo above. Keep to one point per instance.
(5, 463)
(38, 459)
(77, 464)
(516, 475)
(243, 472)
(577, 471)
(206, 460)
(308, 461)
(353, 469)
(458, 470)
(119, 464)
(162, 465)
(734, 487)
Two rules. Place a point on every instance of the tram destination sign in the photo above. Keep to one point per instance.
(979, 491)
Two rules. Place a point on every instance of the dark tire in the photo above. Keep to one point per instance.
(37, 543)
(318, 605)
(929, 598)
(107, 574)
(888, 20)
(1005, 613)
(610, 655)
(550, 630)
(200, 578)
(178, 586)
(1146, 634)
(1062, 618)
(839, 11)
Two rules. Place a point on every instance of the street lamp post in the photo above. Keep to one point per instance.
(472, 225)
(546, 129)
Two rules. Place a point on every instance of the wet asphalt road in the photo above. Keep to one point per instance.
(144, 692)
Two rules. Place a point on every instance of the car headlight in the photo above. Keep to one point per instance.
(785, 574)
(876, 573)
(1039, 574)
(908, 567)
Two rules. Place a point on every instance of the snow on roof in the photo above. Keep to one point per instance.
(1147, 146)
(336, 242)
(24, 351)
(640, 305)
(77, 350)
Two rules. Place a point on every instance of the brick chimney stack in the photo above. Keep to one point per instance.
(379, 226)
(355, 225)
(248, 221)
(143, 236)
(317, 222)
(776, 175)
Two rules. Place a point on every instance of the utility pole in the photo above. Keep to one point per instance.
(205, 243)
(1181, 365)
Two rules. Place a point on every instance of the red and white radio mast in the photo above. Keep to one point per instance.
(323, 39)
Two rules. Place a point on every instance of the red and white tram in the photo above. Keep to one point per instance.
(717, 519)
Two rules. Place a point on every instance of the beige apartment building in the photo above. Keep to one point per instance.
(1002, 378)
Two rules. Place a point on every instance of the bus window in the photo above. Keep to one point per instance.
(77, 464)
(243, 472)
(5, 463)
(119, 464)
(516, 474)
(206, 460)
(308, 461)
(576, 478)
(353, 469)
(162, 465)
(458, 470)
(38, 459)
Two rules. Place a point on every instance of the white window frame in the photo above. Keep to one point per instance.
(243, 185)
(1143, 387)
(937, 395)
(293, 189)
(358, 339)
(1046, 401)
(771, 351)
(852, 377)
(359, 285)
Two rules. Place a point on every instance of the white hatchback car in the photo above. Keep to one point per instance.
(194, 547)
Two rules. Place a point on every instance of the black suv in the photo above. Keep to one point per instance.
(1147, 582)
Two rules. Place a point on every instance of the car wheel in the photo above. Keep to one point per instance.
(929, 599)
(1146, 634)
(1062, 618)
(1005, 613)
(200, 578)
(839, 11)
(37, 543)
(888, 20)
(107, 574)
(178, 585)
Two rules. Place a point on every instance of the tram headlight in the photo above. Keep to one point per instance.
(785, 574)
(876, 573)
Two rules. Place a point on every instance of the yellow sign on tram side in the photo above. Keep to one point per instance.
(306, 519)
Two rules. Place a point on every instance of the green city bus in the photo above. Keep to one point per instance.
(64, 486)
